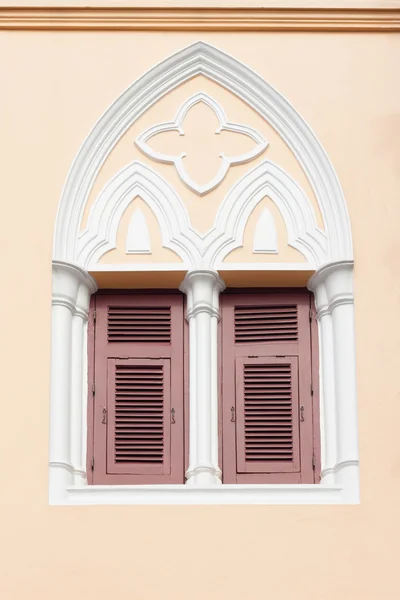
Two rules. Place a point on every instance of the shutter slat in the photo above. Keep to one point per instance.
(260, 324)
(253, 422)
(139, 427)
(138, 324)
(266, 425)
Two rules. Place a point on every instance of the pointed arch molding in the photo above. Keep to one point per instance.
(136, 179)
(202, 59)
(195, 250)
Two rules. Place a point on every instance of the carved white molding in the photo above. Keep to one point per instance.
(333, 291)
(138, 237)
(136, 179)
(265, 234)
(224, 125)
(209, 250)
(202, 59)
(267, 179)
(203, 288)
(72, 288)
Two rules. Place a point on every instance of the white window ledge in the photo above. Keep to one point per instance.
(191, 495)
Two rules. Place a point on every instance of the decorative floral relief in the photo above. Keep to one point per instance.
(224, 125)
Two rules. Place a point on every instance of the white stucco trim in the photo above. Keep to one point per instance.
(224, 125)
(265, 239)
(195, 495)
(209, 250)
(202, 59)
(138, 237)
(333, 289)
(136, 179)
(202, 288)
(267, 179)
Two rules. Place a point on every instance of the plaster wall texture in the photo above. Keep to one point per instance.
(53, 89)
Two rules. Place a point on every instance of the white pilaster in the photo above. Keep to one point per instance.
(72, 288)
(333, 289)
(202, 288)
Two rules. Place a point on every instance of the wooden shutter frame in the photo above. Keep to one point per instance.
(98, 358)
(308, 379)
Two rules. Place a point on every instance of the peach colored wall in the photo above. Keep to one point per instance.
(54, 87)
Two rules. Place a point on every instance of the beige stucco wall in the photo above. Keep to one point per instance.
(54, 87)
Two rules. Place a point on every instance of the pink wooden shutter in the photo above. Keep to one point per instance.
(139, 409)
(267, 423)
(267, 395)
(138, 392)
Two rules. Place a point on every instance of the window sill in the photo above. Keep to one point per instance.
(213, 495)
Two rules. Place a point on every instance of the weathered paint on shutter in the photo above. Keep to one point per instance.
(138, 433)
(267, 402)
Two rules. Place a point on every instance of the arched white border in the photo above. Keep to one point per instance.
(137, 179)
(224, 125)
(267, 179)
(202, 59)
(332, 286)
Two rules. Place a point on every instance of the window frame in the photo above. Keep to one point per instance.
(333, 289)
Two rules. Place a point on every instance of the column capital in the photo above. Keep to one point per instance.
(72, 287)
(202, 287)
(332, 286)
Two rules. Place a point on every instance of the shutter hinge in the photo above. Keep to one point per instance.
(173, 416)
(313, 462)
(92, 464)
(233, 415)
(104, 419)
(94, 316)
(312, 390)
(252, 356)
(311, 315)
(93, 389)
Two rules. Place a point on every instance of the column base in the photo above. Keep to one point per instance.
(203, 475)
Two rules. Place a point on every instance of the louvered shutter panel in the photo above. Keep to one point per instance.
(267, 415)
(267, 404)
(138, 403)
(139, 414)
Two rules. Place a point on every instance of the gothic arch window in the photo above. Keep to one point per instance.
(328, 254)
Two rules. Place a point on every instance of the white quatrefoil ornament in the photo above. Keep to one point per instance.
(224, 125)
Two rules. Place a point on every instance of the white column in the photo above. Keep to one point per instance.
(333, 289)
(72, 288)
(203, 288)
